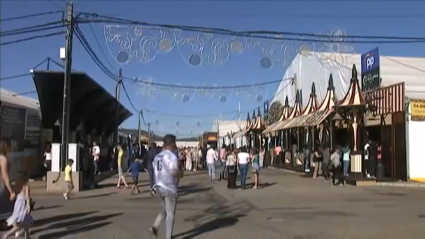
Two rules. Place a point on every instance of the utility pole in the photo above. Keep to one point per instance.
(149, 133)
(67, 86)
(117, 98)
(139, 134)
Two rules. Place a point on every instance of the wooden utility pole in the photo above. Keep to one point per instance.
(139, 134)
(117, 98)
(67, 86)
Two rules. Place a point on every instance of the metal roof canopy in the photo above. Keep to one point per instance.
(90, 103)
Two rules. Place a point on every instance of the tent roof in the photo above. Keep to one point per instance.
(90, 102)
(225, 126)
(317, 66)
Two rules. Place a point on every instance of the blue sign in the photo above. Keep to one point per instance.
(371, 78)
(370, 60)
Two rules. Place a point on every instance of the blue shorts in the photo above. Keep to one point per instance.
(256, 167)
(135, 179)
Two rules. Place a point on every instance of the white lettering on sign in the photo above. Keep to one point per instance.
(369, 62)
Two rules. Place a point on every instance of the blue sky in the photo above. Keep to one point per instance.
(396, 18)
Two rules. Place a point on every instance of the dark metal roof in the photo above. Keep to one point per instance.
(91, 104)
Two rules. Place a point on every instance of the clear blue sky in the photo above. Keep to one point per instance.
(397, 18)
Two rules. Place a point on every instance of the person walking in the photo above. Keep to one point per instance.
(243, 160)
(120, 158)
(336, 167)
(223, 159)
(7, 195)
(256, 167)
(346, 159)
(96, 156)
(47, 160)
(232, 171)
(21, 218)
(150, 156)
(167, 172)
(211, 158)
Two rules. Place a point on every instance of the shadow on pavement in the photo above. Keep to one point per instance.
(46, 208)
(218, 223)
(221, 213)
(95, 196)
(75, 226)
(191, 189)
(43, 221)
(65, 233)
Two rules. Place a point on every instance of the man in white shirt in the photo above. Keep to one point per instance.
(366, 158)
(211, 158)
(96, 155)
(167, 173)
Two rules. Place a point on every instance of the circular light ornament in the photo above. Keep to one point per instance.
(123, 57)
(265, 63)
(194, 60)
(222, 98)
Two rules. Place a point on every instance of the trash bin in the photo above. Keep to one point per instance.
(380, 171)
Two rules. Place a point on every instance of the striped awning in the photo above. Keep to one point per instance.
(241, 133)
(317, 117)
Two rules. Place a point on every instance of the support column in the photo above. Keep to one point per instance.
(356, 152)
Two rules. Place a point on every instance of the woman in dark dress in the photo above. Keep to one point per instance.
(231, 169)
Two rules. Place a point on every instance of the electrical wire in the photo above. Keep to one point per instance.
(25, 93)
(14, 76)
(31, 16)
(32, 38)
(275, 35)
(32, 28)
(108, 72)
(30, 31)
(190, 115)
(101, 49)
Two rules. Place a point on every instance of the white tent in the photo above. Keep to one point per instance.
(226, 128)
(317, 66)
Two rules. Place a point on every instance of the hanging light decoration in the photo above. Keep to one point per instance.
(156, 122)
(259, 97)
(265, 63)
(185, 98)
(198, 124)
(222, 98)
(177, 123)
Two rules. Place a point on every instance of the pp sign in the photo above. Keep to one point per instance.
(370, 70)
(370, 61)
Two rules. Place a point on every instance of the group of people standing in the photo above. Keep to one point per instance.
(228, 161)
(336, 164)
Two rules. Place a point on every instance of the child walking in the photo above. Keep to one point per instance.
(135, 168)
(68, 178)
(21, 218)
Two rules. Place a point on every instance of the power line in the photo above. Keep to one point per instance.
(276, 35)
(99, 63)
(25, 93)
(30, 16)
(32, 38)
(14, 76)
(101, 49)
(31, 29)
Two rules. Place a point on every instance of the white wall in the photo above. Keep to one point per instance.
(181, 143)
(415, 131)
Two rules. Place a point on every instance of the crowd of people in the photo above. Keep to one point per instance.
(224, 163)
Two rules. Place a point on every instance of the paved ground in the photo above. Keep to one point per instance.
(288, 206)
